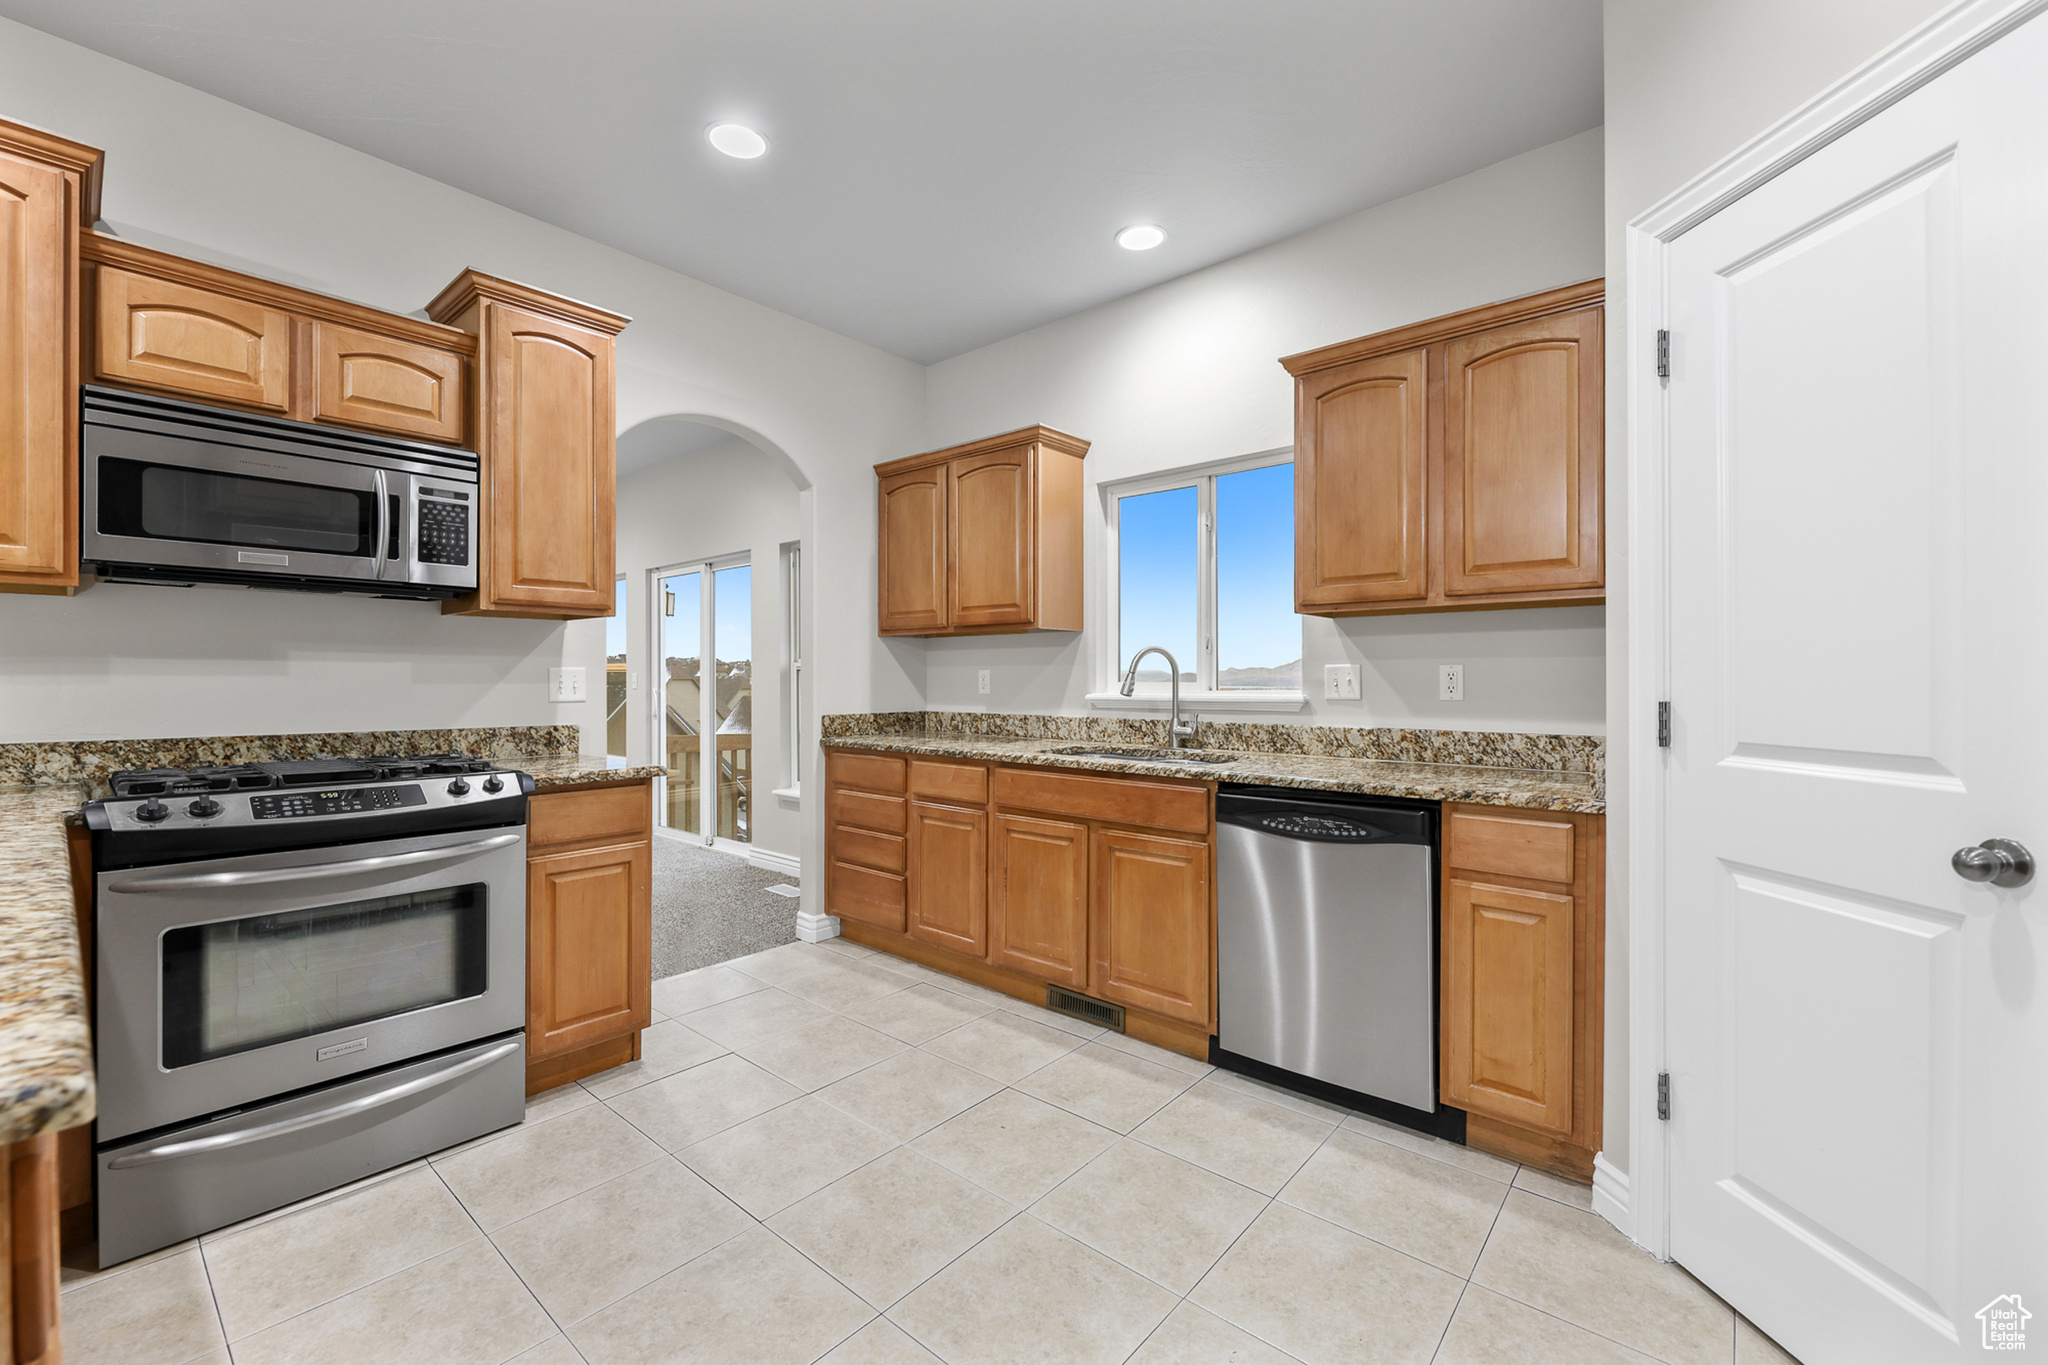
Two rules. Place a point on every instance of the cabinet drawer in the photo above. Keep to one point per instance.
(616, 813)
(882, 852)
(876, 772)
(865, 810)
(963, 783)
(858, 893)
(1513, 844)
(1124, 801)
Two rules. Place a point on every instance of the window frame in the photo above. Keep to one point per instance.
(1202, 478)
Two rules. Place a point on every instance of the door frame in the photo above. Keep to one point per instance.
(1638, 1201)
(707, 698)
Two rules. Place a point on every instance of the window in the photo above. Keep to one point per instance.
(615, 675)
(704, 716)
(793, 650)
(1202, 564)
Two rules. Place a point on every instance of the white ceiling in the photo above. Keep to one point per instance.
(942, 173)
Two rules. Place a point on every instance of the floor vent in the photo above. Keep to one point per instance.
(1084, 1007)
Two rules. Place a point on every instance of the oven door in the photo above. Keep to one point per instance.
(232, 981)
(161, 500)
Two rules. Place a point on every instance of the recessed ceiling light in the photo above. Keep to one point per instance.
(1140, 237)
(736, 140)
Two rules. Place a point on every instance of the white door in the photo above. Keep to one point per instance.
(1858, 495)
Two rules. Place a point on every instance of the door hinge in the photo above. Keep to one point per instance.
(1663, 724)
(1663, 353)
(1664, 1096)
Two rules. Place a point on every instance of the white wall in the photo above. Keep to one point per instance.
(702, 505)
(212, 180)
(1685, 86)
(1188, 371)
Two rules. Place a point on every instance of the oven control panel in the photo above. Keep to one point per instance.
(343, 801)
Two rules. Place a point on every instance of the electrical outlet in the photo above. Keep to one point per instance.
(565, 684)
(1450, 682)
(1340, 682)
(981, 681)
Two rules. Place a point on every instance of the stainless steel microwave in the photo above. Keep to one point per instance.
(186, 493)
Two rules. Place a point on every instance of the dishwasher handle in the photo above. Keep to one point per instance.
(1283, 814)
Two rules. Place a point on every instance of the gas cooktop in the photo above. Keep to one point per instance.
(308, 772)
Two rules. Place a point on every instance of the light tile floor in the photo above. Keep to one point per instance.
(830, 1155)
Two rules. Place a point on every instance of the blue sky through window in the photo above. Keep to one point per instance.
(1157, 543)
(1258, 636)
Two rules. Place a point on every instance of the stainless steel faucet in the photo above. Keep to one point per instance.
(1177, 730)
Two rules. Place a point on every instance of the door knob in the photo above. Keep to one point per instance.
(2002, 862)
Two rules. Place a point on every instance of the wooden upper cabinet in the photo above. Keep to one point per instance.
(183, 327)
(1360, 468)
(913, 552)
(1038, 898)
(49, 189)
(991, 540)
(1455, 463)
(367, 380)
(544, 430)
(1152, 929)
(1521, 456)
(983, 538)
(195, 342)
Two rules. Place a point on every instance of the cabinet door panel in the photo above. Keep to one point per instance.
(1522, 457)
(588, 942)
(1038, 907)
(38, 452)
(992, 564)
(1507, 1003)
(913, 551)
(192, 341)
(1150, 924)
(550, 464)
(388, 385)
(1360, 494)
(948, 880)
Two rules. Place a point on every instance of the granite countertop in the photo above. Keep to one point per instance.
(1529, 788)
(578, 770)
(46, 1077)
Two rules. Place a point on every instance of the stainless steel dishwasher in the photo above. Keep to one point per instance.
(1326, 943)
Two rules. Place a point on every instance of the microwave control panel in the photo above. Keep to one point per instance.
(444, 531)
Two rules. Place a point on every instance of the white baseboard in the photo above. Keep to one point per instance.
(770, 861)
(1610, 1196)
(813, 927)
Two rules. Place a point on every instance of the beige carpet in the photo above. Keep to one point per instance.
(712, 907)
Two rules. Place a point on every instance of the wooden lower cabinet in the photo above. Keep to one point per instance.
(947, 884)
(28, 1216)
(1038, 898)
(1022, 878)
(1522, 982)
(1153, 935)
(589, 931)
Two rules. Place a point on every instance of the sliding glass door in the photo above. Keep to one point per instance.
(704, 715)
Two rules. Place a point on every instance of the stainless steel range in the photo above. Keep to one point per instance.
(307, 972)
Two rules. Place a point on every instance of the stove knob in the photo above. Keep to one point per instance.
(494, 784)
(151, 811)
(205, 808)
(458, 788)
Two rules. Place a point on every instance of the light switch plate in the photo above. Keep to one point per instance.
(566, 684)
(1340, 682)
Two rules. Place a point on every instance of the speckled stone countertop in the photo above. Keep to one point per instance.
(46, 1080)
(1562, 772)
(578, 770)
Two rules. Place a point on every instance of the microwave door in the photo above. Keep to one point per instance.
(173, 501)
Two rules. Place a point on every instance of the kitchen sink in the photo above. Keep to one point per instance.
(1143, 754)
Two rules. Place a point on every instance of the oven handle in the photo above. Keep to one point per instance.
(376, 1099)
(215, 881)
